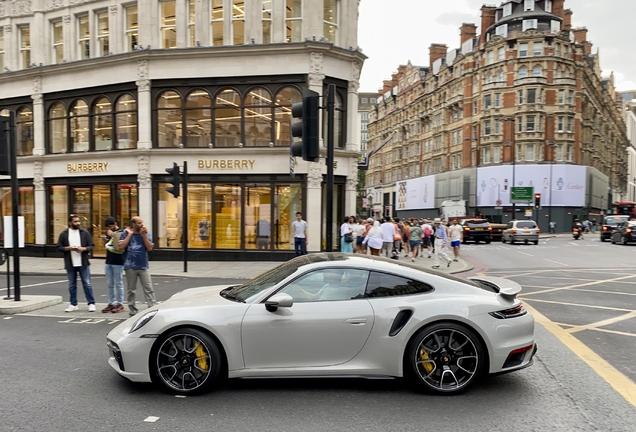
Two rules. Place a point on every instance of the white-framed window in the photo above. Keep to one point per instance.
(216, 22)
(266, 20)
(496, 154)
(83, 37)
(531, 95)
(560, 123)
(519, 97)
(330, 20)
(522, 72)
(566, 51)
(238, 22)
(2, 48)
(25, 46)
(501, 77)
(529, 24)
(570, 124)
(168, 23)
(502, 30)
(372, 100)
(507, 10)
(487, 130)
(557, 50)
(548, 6)
(537, 49)
(487, 101)
(555, 26)
(561, 97)
(571, 97)
(531, 152)
(501, 54)
(474, 108)
(537, 71)
(58, 42)
(485, 155)
(568, 153)
(520, 122)
(490, 57)
(528, 5)
(132, 27)
(497, 100)
(559, 153)
(103, 34)
(518, 155)
(523, 49)
(489, 78)
(473, 133)
(530, 124)
(192, 20)
(496, 127)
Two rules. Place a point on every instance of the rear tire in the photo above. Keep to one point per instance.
(536, 242)
(503, 240)
(624, 241)
(602, 239)
(445, 358)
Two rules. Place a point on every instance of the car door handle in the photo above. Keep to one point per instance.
(356, 321)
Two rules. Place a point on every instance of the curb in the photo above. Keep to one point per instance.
(28, 304)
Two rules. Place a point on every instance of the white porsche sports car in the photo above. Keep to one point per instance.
(329, 315)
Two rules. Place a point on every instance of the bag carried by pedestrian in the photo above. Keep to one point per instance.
(113, 243)
(348, 238)
(427, 230)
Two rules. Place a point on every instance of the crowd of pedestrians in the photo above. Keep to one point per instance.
(392, 237)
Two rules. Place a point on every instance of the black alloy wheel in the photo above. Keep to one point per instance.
(186, 361)
(445, 358)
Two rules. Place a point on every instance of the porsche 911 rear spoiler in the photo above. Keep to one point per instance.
(505, 287)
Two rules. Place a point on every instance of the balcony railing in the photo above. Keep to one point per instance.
(531, 80)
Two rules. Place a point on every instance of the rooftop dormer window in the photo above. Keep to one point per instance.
(528, 5)
(507, 9)
(548, 6)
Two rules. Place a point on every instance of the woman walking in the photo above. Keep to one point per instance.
(374, 239)
(345, 228)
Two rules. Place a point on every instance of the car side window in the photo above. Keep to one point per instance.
(388, 285)
(332, 284)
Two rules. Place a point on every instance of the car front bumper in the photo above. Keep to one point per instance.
(129, 355)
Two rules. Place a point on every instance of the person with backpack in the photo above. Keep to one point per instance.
(415, 235)
(114, 269)
(427, 233)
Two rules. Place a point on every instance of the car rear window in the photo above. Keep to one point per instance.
(615, 220)
(526, 224)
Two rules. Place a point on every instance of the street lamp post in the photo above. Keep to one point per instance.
(471, 140)
(552, 146)
(513, 153)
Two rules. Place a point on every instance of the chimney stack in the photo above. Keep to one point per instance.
(558, 8)
(580, 35)
(567, 20)
(488, 18)
(467, 31)
(436, 51)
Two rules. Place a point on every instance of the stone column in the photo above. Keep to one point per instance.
(116, 39)
(39, 118)
(352, 108)
(350, 188)
(148, 16)
(11, 50)
(39, 40)
(278, 21)
(314, 207)
(253, 22)
(69, 38)
(182, 16)
(145, 190)
(313, 14)
(203, 23)
(144, 106)
(40, 203)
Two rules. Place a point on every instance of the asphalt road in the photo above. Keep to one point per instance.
(56, 372)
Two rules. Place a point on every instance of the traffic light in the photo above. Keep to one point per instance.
(174, 180)
(387, 211)
(537, 201)
(308, 129)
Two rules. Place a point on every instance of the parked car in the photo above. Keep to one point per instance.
(476, 230)
(330, 314)
(609, 225)
(496, 230)
(521, 230)
(624, 233)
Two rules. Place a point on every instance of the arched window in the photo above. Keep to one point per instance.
(258, 117)
(198, 117)
(489, 78)
(79, 126)
(227, 119)
(24, 131)
(4, 112)
(169, 120)
(102, 124)
(537, 71)
(282, 115)
(57, 128)
(523, 72)
(126, 122)
(501, 77)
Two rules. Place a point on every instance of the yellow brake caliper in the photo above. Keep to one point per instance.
(428, 367)
(202, 360)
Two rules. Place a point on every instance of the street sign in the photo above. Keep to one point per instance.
(528, 213)
(521, 194)
(292, 174)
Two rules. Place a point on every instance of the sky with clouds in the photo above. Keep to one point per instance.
(392, 32)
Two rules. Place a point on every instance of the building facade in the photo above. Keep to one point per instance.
(366, 102)
(630, 120)
(109, 94)
(523, 89)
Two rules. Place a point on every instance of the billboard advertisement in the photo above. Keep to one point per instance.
(416, 194)
(559, 185)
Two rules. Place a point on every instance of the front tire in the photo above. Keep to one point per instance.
(186, 361)
(445, 358)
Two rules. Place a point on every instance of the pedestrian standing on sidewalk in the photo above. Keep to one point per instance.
(388, 237)
(114, 268)
(137, 242)
(415, 235)
(359, 231)
(76, 243)
(456, 237)
(346, 233)
(441, 239)
(552, 227)
(299, 233)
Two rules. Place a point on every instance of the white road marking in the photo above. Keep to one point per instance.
(556, 262)
(524, 253)
(151, 419)
(43, 283)
(180, 396)
(7, 317)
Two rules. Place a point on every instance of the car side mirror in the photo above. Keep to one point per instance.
(279, 300)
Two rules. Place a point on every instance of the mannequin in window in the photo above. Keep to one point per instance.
(263, 231)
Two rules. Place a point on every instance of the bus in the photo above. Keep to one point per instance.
(627, 208)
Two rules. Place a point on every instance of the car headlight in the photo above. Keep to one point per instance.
(143, 321)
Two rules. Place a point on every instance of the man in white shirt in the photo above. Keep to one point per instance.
(456, 235)
(388, 236)
(76, 243)
(299, 233)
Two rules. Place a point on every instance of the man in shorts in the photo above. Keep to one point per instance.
(456, 235)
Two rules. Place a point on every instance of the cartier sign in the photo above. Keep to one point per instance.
(235, 164)
(87, 167)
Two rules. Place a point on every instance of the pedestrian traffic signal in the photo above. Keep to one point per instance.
(387, 211)
(537, 201)
(174, 180)
(307, 129)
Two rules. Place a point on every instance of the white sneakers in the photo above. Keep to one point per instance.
(71, 308)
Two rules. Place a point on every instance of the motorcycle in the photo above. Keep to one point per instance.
(576, 233)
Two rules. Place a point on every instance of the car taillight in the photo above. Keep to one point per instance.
(466, 229)
(514, 230)
(513, 312)
(489, 228)
(628, 230)
(604, 228)
(538, 230)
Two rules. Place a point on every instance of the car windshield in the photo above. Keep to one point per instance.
(615, 220)
(526, 224)
(264, 281)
